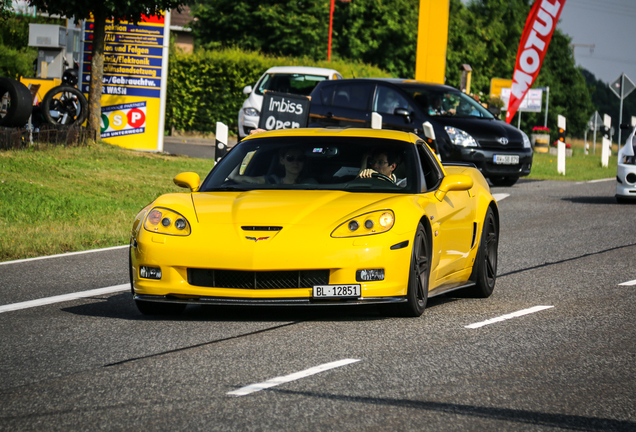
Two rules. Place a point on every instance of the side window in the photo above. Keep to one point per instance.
(430, 167)
(326, 95)
(387, 100)
(353, 96)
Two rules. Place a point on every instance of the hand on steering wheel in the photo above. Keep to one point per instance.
(368, 173)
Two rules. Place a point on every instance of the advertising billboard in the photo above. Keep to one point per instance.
(134, 82)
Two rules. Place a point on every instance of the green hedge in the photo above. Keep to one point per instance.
(207, 86)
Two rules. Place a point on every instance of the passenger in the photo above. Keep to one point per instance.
(293, 161)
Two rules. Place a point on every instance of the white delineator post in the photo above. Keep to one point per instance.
(607, 143)
(561, 147)
(221, 141)
(376, 121)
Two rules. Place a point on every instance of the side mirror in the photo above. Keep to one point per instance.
(457, 182)
(403, 112)
(247, 90)
(189, 180)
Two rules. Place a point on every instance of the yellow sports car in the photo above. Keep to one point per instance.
(318, 217)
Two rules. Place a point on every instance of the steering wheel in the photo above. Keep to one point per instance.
(382, 176)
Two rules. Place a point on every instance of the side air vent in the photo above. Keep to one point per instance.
(474, 234)
(261, 228)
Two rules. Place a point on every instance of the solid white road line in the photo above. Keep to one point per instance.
(602, 180)
(628, 283)
(64, 297)
(252, 388)
(508, 316)
(500, 196)
(63, 255)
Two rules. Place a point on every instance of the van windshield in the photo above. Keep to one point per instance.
(446, 103)
(295, 83)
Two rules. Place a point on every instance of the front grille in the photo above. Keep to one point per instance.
(489, 144)
(256, 279)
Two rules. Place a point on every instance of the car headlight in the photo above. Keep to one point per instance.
(252, 112)
(366, 224)
(164, 221)
(459, 137)
(526, 140)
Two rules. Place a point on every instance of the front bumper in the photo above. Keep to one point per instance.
(340, 259)
(246, 124)
(483, 160)
(626, 181)
(238, 301)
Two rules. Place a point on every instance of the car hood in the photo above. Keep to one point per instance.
(278, 208)
(488, 133)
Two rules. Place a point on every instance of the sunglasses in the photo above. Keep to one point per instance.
(291, 158)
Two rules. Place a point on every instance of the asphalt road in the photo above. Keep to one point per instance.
(96, 364)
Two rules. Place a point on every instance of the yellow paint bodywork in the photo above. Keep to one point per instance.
(308, 218)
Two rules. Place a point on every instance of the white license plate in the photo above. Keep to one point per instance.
(506, 159)
(336, 291)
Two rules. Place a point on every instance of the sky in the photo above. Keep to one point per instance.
(609, 25)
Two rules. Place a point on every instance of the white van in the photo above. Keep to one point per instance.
(299, 80)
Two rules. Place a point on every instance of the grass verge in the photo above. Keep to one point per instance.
(63, 199)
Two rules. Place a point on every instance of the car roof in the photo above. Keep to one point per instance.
(339, 132)
(399, 82)
(302, 69)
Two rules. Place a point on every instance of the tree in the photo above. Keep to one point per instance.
(274, 27)
(379, 32)
(119, 10)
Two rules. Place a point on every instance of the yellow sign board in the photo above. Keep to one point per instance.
(496, 84)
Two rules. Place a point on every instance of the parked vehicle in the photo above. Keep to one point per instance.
(626, 172)
(464, 131)
(284, 79)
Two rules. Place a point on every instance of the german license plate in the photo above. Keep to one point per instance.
(506, 159)
(337, 291)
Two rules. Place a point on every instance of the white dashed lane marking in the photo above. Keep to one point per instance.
(64, 297)
(508, 316)
(252, 388)
(500, 196)
(63, 255)
(628, 283)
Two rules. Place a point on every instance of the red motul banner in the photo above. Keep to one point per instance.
(535, 39)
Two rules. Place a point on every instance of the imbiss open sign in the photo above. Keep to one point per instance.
(284, 111)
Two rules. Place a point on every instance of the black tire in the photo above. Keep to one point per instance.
(156, 308)
(485, 269)
(64, 105)
(503, 181)
(420, 270)
(20, 104)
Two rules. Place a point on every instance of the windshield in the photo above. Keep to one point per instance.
(443, 102)
(317, 163)
(301, 84)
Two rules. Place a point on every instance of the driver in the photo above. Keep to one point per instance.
(382, 161)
